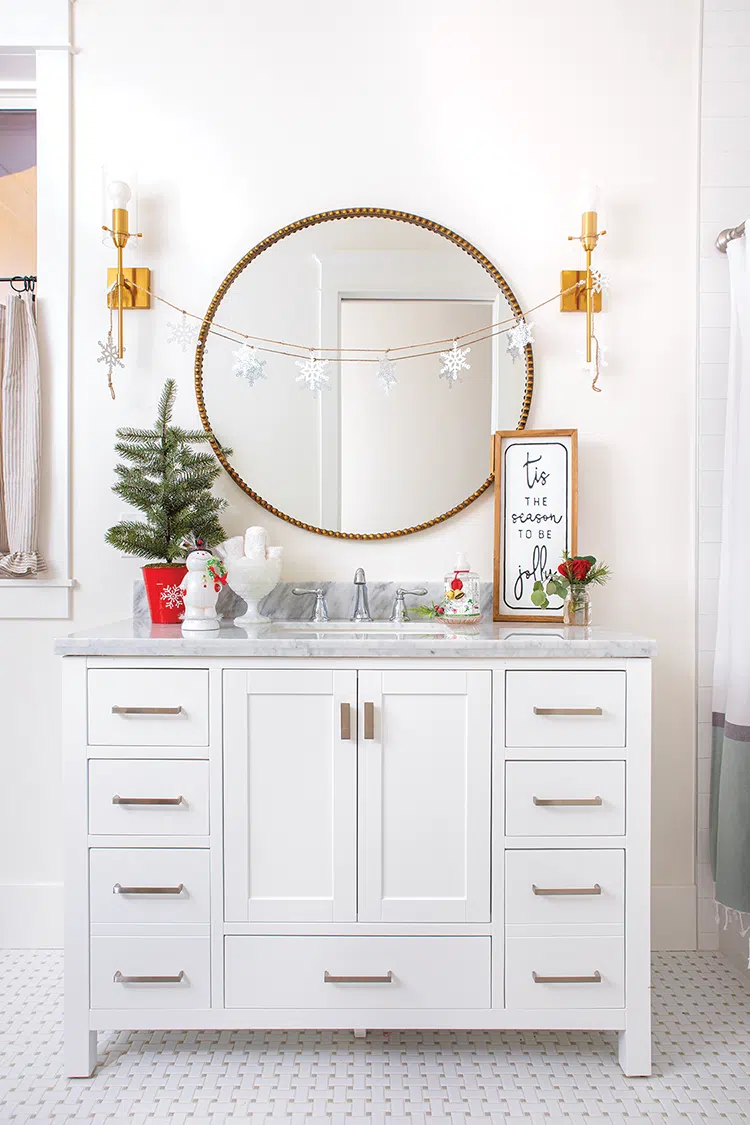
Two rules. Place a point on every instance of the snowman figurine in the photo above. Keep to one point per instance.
(206, 574)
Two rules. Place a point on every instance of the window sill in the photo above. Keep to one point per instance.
(35, 598)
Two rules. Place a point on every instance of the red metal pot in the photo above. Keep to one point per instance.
(163, 584)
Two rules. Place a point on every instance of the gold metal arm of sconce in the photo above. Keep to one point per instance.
(126, 288)
(584, 298)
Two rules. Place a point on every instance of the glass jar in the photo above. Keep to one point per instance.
(577, 605)
(461, 601)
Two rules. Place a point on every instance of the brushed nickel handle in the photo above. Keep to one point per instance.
(387, 979)
(595, 890)
(119, 890)
(146, 710)
(369, 720)
(595, 979)
(118, 800)
(567, 711)
(346, 722)
(120, 978)
(567, 800)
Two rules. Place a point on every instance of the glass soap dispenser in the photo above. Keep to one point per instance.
(461, 598)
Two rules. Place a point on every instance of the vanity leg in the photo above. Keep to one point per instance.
(80, 1052)
(634, 1051)
(360, 1032)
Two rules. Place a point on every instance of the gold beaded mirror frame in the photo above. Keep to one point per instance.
(314, 221)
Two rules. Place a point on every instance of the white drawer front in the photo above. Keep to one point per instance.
(564, 709)
(148, 706)
(149, 885)
(565, 887)
(290, 972)
(148, 781)
(599, 961)
(565, 798)
(184, 961)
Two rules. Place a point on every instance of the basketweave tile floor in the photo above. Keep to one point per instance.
(701, 1074)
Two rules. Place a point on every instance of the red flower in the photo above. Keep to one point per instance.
(575, 570)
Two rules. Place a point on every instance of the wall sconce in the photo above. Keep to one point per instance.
(588, 296)
(126, 288)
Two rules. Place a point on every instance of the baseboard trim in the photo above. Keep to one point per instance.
(31, 916)
(674, 917)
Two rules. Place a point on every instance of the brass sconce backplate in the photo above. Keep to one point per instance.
(132, 297)
(576, 301)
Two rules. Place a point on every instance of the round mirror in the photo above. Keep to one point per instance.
(392, 434)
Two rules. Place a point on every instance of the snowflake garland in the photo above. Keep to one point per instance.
(599, 282)
(313, 373)
(184, 334)
(453, 362)
(249, 365)
(386, 374)
(518, 337)
(172, 597)
(110, 358)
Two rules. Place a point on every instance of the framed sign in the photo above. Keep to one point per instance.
(536, 517)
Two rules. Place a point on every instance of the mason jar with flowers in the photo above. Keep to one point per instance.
(571, 583)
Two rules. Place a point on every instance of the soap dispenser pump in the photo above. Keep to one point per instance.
(461, 599)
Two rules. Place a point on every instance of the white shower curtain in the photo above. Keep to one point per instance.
(20, 439)
(730, 764)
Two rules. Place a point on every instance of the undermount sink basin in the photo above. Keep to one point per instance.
(356, 628)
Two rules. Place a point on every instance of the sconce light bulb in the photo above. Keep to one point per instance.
(119, 194)
(589, 194)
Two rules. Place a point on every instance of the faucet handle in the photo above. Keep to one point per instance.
(320, 613)
(399, 613)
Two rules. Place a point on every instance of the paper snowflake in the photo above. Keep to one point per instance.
(452, 362)
(518, 337)
(313, 372)
(248, 364)
(386, 374)
(109, 356)
(172, 597)
(184, 334)
(599, 281)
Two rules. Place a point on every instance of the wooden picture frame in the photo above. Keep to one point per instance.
(536, 517)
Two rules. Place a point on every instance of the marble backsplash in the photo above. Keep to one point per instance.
(282, 605)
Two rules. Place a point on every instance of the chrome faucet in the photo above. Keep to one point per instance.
(361, 610)
(320, 613)
(399, 613)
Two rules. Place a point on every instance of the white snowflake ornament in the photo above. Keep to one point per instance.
(453, 362)
(386, 374)
(313, 373)
(518, 337)
(109, 356)
(599, 282)
(172, 597)
(184, 334)
(248, 364)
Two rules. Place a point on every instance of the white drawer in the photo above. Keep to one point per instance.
(290, 972)
(565, 798)
(170, 797)
(599, 960)
(148, 706)
(564, 709)
(565, 886)
(184, 961)
(149, 885)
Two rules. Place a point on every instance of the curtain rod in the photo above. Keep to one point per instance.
(728, 236)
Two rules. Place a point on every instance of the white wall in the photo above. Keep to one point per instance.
(241, 117)
(724, 202)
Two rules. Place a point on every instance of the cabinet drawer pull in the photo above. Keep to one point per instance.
(346, 722)
(567, 800)
(387, 979)
(146, 710)
(119, 890)
(595, 979)
(118, 800)
(567, 711)
(120, 978)
(595, 890)
(369, 720)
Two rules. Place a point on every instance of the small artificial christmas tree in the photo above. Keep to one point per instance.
(170, 482)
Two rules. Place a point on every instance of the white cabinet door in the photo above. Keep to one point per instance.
(424, 796)
(290, 795)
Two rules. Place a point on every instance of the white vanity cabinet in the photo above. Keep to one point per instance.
(370, 835)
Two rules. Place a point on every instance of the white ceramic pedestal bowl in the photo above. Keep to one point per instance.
(252, 579)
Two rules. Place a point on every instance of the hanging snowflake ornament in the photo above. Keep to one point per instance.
(594, 367)
(518, 337)
(248, 364)
(110, 359)
(386, 374)
(453, 362)
(172, 597)
(184, 334)
(313, 372)
(599, 282)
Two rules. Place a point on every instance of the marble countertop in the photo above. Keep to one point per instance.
(295, 639)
